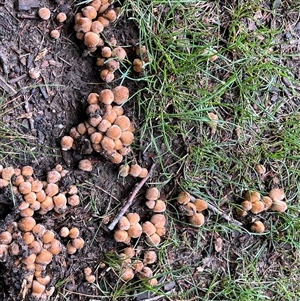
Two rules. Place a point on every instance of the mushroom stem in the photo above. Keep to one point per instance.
(222, 214)
(131, 198)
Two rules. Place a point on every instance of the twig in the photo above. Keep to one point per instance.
(16, 79)
(222, 214)
(131, 198)
(5, 86)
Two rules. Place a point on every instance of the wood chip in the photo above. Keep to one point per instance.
(28, 4)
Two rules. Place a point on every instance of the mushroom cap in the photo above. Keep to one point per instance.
(114, 132)
(110, 15)
(89, 12)
(161, 231)
(85, 165)
(91, 39)
(97, 27)
(127, 274)
(121, 94)
(120, 53)
(37, 287)
(127, 138)
(83, 25)
(7, 173)
(123, 170)
(107, 75)
(78, 243)
(150, 257)
(123, 223)
(66, 142)
(135, 170)
(252, 196)
(183, 198)
(153, 240)
(190, 209)
(44, 13)
(133, 218)
(120, 235)
(258, 227)
(44, 257)
(137, 265)
(129, 252)
(158, 220)
(246, 205)
(106, 96)
(27, 171)
(64, 232)
(148, 228)
(61, 17)
(74, 232)
(152, 194)
(267, 202)
(257, 207)
(200, 204)
(135, 230)
(138, 65)
(279, 206)
(277, 194)
(26, 223)
(197, 220)
(5, 238)
(47, 237)
(160, 206)
(106, 51)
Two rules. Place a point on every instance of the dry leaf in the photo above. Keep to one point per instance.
(218, 244)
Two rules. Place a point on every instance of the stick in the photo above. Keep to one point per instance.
(222, 214)
(5, 86)
(131, 198)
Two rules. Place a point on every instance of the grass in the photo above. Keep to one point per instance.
(246, 86)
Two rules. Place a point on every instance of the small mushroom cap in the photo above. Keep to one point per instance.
(279, 206)
(127, 274)
(51, 189)
(158, 220)
(144, 173)
(114, 132)
(106, 96)
(64, 232)
(241, 212)
(78, 243)
(44, 13)
(267, 201)
(129, 252)
(258, 227)
(252, 196)
(135, 170)
(120, 53)
(133, 218)
(153, 240)
(277, 194)
(97, 27)
(160, 206)
(25, 188)
(7, 173)
(37, 287)
(120, 235)
(26, 223)
(246, 205)
(152, 194)
(150, 204)
(197, 220)
(90, 278)
(150, 257)
(74, 232)
(190, 209)
(137, 265)
(107, 75)
(121, 94)
(91, 39)
(61, 17)
(123, 223)
(260, 169)
(145, 273)
(135, 231)
(148, 228)
(66, 143)
(85, 165)
(89, 12)
(138, 65)
(183, 198)
(110, 15)
(47, 237)
(70, 248)
(44, 257)
(257, 207)
(5, 238)
(161, 231)
(83, 25)
(124, 170)
(200, 204)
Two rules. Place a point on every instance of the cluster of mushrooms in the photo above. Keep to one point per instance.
(27, 242)
(90, 22)
(129, 226)
(132, 265)
(192, 208)
(107, 129)
(255, 203)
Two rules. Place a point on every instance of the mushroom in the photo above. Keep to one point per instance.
(91, 39)
(277, 194)
(183, 198)
(61, 17)
(279, 206)
(127, 274)
(44, 13)
(149, 257)
(258, 227)
(85, 165)
(44, 257)
(89, 12)
(197, 220)
(54, 34)
(152, 194)
(138, 65)
(153, 240)
(120, 235)
(121, 94)
(123, 223)
(66, 143)
(148, 228)
(257, 207)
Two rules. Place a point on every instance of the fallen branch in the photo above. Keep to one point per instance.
(131, 198)
(222, 214)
